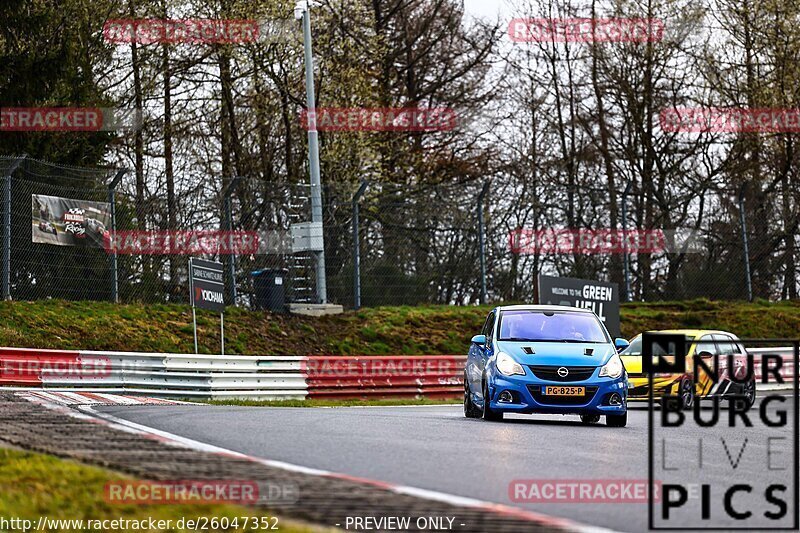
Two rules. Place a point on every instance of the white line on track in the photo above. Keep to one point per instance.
(459, 501)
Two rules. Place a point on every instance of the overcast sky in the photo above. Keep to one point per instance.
(488, 9)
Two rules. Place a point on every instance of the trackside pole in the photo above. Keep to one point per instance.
(625, 257)
(743, 221)
(303, 10)
(357, 248)
(481, 242)
(191, 300)
(222, 332)
(114, 266)
(6, 275)
(194, 323)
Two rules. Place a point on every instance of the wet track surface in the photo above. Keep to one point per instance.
(436, 448)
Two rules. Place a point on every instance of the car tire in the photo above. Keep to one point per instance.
(487, 413)
(470, 409)
(686, 392)
(748, 394)
(590, 419)
(617, 421)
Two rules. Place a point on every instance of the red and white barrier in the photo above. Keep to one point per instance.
(253, 377)
(433, 376)
(233, 376)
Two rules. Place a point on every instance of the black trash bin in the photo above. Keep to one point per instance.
(269, 286)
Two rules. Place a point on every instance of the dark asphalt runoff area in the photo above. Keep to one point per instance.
(436, 448)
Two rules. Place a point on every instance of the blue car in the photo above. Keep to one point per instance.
(546, 359)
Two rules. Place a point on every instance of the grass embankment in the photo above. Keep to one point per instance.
(386, 330)
(34, 485)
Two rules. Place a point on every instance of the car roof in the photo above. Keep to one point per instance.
(537, 307)
(691, 332)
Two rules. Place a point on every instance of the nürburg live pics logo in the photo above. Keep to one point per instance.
(717, 459)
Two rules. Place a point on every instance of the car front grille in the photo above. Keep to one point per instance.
(550, 373)
(536, 392)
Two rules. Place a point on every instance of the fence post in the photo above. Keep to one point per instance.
(357, 247)
(112, 201)
(745, 244)
(7, 227)
(229, 227)
(625, 264)
(481, 241)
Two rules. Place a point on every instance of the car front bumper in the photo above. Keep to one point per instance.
(527, 392)
(639, 387)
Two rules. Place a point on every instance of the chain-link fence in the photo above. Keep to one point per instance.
(385, 244)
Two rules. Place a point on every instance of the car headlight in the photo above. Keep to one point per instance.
(613, 368)
(507, 366)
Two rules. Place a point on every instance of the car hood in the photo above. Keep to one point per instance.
(633, 362)
(558, 353)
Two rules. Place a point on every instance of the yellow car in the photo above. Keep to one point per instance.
(717, 343)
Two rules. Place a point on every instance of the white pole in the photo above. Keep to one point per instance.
(303, 9)
(194, 322)
(191, 300)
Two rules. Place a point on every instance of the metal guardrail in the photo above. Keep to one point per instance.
(232, 376)
(250, 377)
(787, 370)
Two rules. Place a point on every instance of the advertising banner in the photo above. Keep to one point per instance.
(69, 222)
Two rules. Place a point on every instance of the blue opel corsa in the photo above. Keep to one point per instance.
(545, 359)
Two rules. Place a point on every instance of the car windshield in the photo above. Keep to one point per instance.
(551, 326)
(634, 348)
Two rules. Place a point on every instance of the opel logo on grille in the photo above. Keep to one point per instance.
(563, 372)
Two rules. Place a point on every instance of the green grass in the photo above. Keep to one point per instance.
(34, 485)
(383, 402)
(385, 330)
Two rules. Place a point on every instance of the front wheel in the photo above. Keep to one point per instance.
(488, 413)
(617, 421)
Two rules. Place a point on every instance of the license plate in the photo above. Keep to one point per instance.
(564, 391)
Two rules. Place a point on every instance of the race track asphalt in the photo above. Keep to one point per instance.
(436, 448)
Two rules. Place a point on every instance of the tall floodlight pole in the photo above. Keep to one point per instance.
(743, 221)
(302, 12)
(625, 257)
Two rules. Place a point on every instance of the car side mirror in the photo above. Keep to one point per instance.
(621, 344)
(705, 355)
(479, 340)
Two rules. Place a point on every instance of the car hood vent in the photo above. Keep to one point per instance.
(528, 350)
(588, 351)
